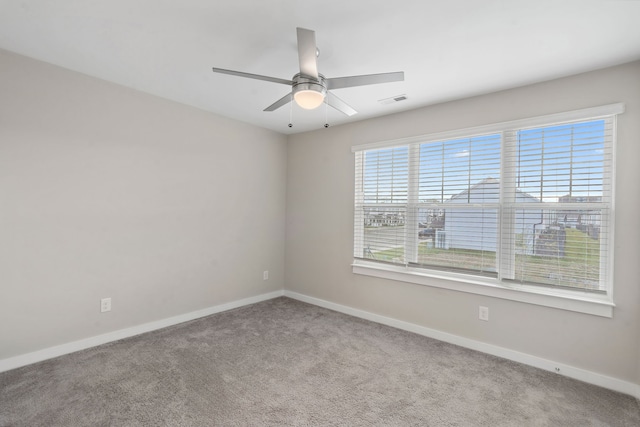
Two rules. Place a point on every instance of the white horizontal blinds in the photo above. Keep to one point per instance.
(384, 234)
(528, 201)
(386, 173)
(381, 215)
(562, 204)
(459, 195)
(563, 163)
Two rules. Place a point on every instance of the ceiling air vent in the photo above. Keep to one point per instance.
(393, 99)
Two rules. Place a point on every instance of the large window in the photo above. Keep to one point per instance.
(525, 206)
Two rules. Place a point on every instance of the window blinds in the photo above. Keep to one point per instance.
(383, 199)
(560, 220)
(524, 205)
(457, 210)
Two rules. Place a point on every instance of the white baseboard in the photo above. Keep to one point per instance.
(548, 365)
(60, 350)
(516, 356)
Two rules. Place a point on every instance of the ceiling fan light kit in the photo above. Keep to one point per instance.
(309, 99)
(311, 89)
(309, 93)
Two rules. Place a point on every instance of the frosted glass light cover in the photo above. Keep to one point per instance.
(309, 99)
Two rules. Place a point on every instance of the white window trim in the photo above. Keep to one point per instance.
(571, 300)
(581, 302)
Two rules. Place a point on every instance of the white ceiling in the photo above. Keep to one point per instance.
(447, 49)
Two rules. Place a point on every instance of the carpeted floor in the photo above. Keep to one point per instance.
(287, 363)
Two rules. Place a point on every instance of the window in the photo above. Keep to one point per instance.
(522, 208)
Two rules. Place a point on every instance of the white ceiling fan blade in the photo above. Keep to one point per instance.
(340, 105)
(363, 80)
(279, 103)
(307, 52)
(253, 76)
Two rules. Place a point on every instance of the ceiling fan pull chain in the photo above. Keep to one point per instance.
(326, 106)
(291, 111)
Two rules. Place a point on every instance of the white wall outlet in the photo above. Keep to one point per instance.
(265, 275)
(105, 305)
(483, 313)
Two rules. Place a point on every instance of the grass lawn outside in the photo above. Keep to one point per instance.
(578, 268)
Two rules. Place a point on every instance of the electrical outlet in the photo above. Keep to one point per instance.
(483, 313)
(265, 275)
(105, 305)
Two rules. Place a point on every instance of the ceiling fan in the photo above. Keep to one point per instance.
(309, 88)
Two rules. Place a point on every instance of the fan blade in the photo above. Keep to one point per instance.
(307, 53)
(340, 105)
(368, 79)
(253, 76)
(279, 103)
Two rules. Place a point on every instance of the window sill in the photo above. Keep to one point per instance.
(581, 302)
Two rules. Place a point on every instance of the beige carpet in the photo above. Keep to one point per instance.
(286, 363)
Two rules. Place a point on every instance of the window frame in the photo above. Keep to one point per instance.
(599, 304)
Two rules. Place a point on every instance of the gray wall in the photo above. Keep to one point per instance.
(320, 187)
(108, 192)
